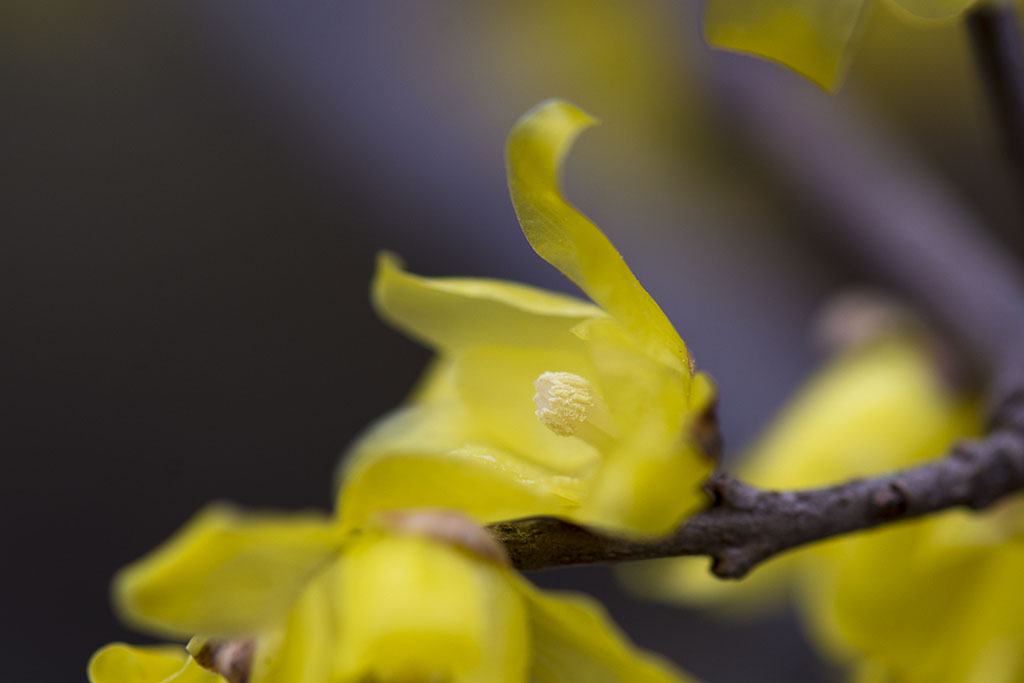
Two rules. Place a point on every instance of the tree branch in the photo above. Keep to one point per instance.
(745, 525)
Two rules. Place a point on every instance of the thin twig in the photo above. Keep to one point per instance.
(746, 525)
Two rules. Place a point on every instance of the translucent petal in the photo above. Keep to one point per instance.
(429, 455)
(496, 387)
(808, 36)
(454, 313)
(647, 485)
(634, 384)
(650, 478)
(563, 237)
(574, 640)
(304, 648)
(418, 610)
(225, 573)
(120, 663)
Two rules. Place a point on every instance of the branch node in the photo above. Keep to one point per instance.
(732, 563)
(727, 491)
(892, 501)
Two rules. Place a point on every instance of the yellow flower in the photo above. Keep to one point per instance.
(539, 403)
(422, 598)
(930, 600)
(120, 663)
(809, 36)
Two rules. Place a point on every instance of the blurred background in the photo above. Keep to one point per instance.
(194, 192)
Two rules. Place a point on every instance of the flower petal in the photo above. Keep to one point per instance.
(573, 639)
(455, 313)
(877, 408)
(304, 649)
(647, 485)
(896, 617)
(651, 478)
(225, 573)
(120, 663)
(496, 387)
(808, 36)
(563, 237)
(418, 610)
(428, 455)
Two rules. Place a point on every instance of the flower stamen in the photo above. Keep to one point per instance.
(568, 405)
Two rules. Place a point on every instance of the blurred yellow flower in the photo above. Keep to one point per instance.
(120, 663)
(394, 603)
(931, 600)
(809, 36)
(539, 403)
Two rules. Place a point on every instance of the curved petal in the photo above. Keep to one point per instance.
(225, 573)
(809, 36)
(419, 610)
(574, 640)
(427, 455)
(563, 237)
(120, 663)
(455, 313)
(647, 486)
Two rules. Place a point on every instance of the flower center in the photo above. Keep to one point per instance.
(563, 401)
(568, 405)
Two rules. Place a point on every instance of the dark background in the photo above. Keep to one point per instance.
(193, 195)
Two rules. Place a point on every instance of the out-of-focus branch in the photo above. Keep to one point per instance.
(904, 230)
(888, 215)
(995, 33)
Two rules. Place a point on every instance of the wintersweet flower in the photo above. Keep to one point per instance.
(809, 36)
(421, 596)
(539, 403)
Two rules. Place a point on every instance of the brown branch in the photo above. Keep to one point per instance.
(745, 525)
